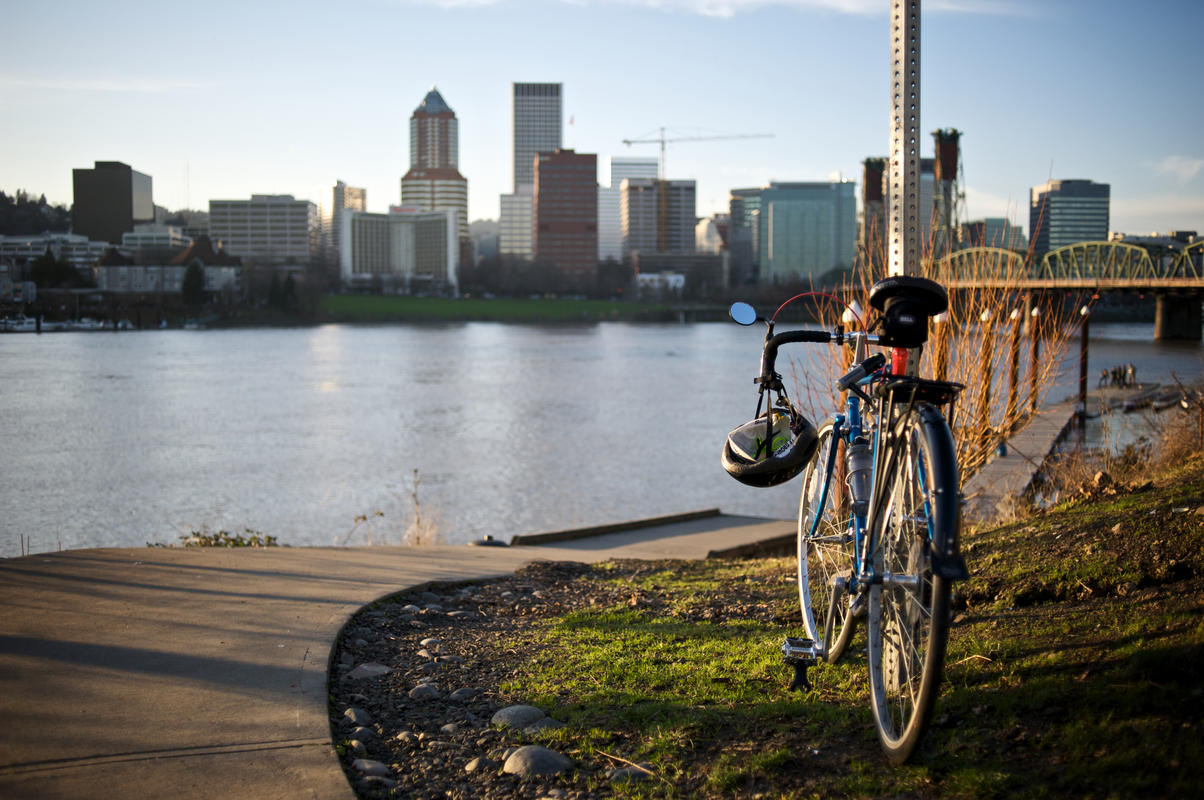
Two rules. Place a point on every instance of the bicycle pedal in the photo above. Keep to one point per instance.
(797, 650)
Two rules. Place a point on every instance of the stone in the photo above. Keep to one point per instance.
(519, 716)
(407, 738)
(533, 760)
(358, 716)
(410, 609)
(357, 748)
(431, 597)
(545, 724)
(369, 670)
(369, 767)
(480, 763)
(449, 659)
(463, 695)
(431, 643)
(449, 728)
(424, 691)
(460, 614)
(363, 734)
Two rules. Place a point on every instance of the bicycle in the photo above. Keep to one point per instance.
(880, 508)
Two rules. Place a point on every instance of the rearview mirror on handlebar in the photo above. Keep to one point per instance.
(743, 313)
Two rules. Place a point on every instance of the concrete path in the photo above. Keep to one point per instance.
(153, 672)
(992, 491)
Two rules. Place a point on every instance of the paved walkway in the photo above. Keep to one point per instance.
(992, 491)
(154, 672)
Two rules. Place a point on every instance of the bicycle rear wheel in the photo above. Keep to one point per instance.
(909, 610)
(825, 547)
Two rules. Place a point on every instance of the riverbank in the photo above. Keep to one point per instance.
(1073, 669)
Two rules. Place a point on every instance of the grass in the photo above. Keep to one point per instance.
(1075, 667)
(376, 308)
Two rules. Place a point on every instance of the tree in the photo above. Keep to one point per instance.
(193, 288)
(49, 272)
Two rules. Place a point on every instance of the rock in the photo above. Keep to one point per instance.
(369, 767)
(433, 608)
(480, 763)
(431, 643)
(547, 723)
(358, 716)
(424, 691)
(407, 738)
(369, 670)
(461, 614)
(430, 597)
(463, 695)
(516, 716)
(363, 734)
(410, 609)
(424, 653)
(356, 747)
(533, 760)
(449, 659)
(449, 728)
(1118, 528)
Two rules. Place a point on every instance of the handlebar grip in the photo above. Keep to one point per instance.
(770, 354)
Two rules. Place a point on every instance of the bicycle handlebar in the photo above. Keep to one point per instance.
(769, 354)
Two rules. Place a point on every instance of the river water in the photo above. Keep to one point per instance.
(124, 439)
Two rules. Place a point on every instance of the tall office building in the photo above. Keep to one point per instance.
(992, 232)
(798, 230)
(610, 226)
(536, 119)
(1066, 212)
(566, 215)
(538, 126)
(109, 200)
(434, 182)
(657, 216)
(274, 229)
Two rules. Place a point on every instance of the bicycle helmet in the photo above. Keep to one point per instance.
(754, 459)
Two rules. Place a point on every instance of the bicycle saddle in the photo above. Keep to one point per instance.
(905, 304)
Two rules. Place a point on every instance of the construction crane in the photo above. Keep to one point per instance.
(662, 140)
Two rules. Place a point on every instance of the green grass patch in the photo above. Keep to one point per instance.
(379, 308)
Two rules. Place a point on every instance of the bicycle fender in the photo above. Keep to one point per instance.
(947, 561)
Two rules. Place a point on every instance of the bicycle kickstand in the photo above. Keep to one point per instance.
(800, 654)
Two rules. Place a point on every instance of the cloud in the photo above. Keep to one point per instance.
(1181, 168)
(130, 85)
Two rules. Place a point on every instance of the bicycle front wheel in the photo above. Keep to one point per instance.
(909, 608)
(825, 547)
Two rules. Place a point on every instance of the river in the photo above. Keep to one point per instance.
(124, 439)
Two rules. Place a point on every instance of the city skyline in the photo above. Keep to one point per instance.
(248, 113)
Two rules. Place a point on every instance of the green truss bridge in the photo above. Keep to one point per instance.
(1174, 277)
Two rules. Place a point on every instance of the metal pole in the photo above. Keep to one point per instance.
(1010, 410)
(1086, 313)
(904, 212)
(1034, 356)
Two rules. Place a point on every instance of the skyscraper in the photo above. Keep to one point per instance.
(566, 215)
(538, 126)
(434, 182)
(109, 200)
(1066, 212)
(657, 216)
(610, 225)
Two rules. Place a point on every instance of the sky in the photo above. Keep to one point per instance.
(223, 100)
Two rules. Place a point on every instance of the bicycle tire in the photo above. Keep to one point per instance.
(828, 552)
(908, 624)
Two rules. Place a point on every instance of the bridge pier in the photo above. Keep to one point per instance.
(1178, 317)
